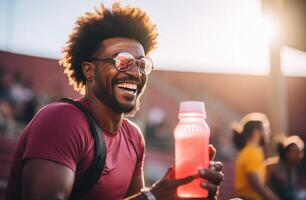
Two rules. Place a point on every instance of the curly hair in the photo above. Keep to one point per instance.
(101, 24)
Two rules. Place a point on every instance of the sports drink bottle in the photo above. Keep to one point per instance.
(191, 136)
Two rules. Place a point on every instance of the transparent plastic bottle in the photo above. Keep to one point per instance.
(191, 136)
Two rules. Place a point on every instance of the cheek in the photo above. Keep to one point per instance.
(144, 79)
(143, 86)
(103, 79)
(100, 86)
(294, 157)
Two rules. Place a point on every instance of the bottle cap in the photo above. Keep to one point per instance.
(197, 107)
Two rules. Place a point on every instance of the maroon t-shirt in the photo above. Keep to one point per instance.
(60, 133)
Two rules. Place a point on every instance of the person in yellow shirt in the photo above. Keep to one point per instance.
(249, 137)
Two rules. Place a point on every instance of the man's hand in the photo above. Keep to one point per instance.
(165, 189)
(214, 176)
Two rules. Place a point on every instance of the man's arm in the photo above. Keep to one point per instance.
(136, 184)
(166, 187)
(265, 192)
(46, 180)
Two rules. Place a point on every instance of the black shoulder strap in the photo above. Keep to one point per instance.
(83, 184)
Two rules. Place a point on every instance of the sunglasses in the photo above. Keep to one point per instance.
(125, 61)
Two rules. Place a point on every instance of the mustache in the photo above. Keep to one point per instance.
(126, 79)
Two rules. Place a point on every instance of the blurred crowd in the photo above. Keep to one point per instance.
(257, 177)
(18, 102)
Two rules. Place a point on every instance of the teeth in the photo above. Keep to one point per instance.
(130, 86)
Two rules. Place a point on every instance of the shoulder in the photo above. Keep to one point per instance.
(59, 109)
(132, 126)
(133, 131)
(59, 113)
(59, 132)
(58, 120)
(271, 162)
(271, 165)
(254, 152)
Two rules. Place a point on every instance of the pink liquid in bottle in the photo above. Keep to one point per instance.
(191, 147)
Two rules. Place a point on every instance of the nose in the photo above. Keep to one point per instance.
(135, 71)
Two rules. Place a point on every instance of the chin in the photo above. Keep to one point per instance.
(120, 107)
(128, 108)
(131, 111)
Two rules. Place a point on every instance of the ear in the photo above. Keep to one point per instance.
(88, 70)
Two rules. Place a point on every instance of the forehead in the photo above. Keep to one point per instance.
(293, 148)
(112, 46)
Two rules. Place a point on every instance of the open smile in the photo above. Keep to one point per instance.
(128, 87)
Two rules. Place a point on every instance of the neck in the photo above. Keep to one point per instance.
(253, 142)
(254, 139)
(105, 116)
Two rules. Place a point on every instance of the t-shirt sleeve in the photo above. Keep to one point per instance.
(253, 160)
(56, 135)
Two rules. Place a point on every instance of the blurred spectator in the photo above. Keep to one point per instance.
(18, 102)
(158, 133)
(281, 175)
(7, 122)
(23, 98)
(250, 135)
(5, 85)
(19, 90)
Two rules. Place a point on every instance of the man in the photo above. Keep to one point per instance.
(250, 137)
(105, 59)
(281, 173)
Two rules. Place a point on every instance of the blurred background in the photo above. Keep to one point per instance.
(237, 56)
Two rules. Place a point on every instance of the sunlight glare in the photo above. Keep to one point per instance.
(269, 26)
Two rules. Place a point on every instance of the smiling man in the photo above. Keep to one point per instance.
(106, 60)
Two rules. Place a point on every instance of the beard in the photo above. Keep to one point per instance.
(107, 95)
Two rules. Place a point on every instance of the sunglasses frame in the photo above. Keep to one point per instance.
(137, 61)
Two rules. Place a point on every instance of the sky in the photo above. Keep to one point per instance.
(220, 36)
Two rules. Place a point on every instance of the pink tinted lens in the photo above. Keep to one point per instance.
(124, 61)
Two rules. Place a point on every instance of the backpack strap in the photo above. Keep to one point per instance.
(83, 184)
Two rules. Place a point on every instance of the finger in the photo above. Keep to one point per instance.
(212, 176)
(212, 152)
(211, 188)
(216, 166)
(182, 181)
(170, 173)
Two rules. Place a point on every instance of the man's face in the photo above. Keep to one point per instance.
(293, 155)
(118, 90)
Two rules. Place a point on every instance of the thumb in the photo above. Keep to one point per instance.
(170, 173)
(182, 181)
(212, 152)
